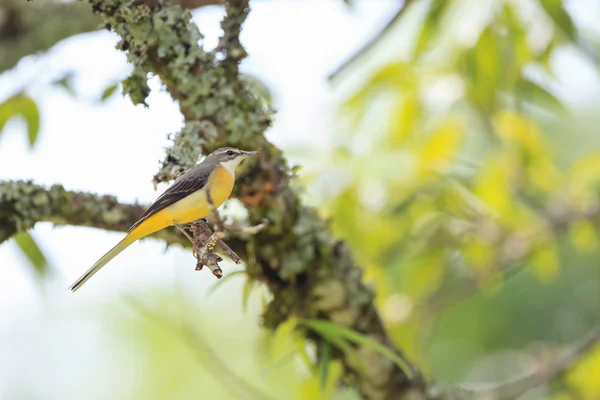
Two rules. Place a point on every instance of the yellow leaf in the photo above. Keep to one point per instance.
(439, 149)
(584, 237)
(584, 377)
(494, 183)
(311, 389)
(583, 178)
(394, 73)
(525, 139)
(403, 121)
(423, 275)
(283, 340)
(545, 263)
(480, 256)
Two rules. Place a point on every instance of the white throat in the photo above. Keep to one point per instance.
(231, 165)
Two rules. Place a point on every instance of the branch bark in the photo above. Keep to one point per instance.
(23, 204)
(29, 27)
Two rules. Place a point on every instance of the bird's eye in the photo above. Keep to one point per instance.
(229, 153)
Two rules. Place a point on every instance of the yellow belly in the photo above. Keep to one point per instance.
(190, 208)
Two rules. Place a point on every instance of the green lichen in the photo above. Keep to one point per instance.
(163, 41)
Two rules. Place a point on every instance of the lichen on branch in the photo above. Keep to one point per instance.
(23, 204)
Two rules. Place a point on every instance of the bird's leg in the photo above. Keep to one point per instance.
(204, 245)
(182, 230)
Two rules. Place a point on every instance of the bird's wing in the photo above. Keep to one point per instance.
(190, 182)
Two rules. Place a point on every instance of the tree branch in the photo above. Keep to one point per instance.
(515, 248)
(370, 45)
(310, 274)
(29, 27)
(23, 204)
(546, 372)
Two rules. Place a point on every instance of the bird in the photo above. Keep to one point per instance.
(183, 202)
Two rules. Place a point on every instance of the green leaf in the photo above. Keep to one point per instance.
(66, 83)
(109, 91)
(485, 70)
(540, 96)
(246, 293)
(430, 26)
(324, 359)
(33, 253)
(339, 334)
(24, 106)
(332, 336)
(561, 18)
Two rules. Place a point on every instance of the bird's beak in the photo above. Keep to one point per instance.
(249, 153)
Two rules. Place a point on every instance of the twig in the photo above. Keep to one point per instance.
(514, 248)
(182, 230)
(367, 47)
(557, 368)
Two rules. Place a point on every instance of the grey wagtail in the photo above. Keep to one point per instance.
(185, 201)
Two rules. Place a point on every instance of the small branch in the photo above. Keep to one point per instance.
(23, 204)
(370, 45)
(229, 46)
(514, 249)
(555, 369)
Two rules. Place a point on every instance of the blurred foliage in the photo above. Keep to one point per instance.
(450, 184)
(33, 253)
(21, 105)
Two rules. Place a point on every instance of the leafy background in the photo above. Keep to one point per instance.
(459, 158)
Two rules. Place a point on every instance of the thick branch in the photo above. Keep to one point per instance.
(23, 204)
(29, 27)
(310, 274)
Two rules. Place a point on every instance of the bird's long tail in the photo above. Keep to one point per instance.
(112, 253)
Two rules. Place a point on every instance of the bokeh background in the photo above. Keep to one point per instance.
(459, 157)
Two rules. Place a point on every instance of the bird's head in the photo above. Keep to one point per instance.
(229, 157)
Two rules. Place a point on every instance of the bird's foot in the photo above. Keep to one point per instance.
(182, 230)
